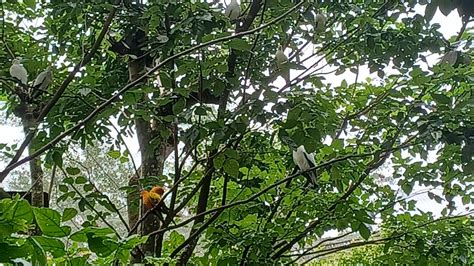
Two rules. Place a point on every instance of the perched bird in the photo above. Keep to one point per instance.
(42, 82)
(283, 65)
(152, 197)
(158, 190)
(455, 59)
(232, 11)
(152, 201)
(450, 58)
(18, 71)
(305, 161)
(320, 20)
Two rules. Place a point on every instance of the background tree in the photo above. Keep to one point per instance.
(204, 93)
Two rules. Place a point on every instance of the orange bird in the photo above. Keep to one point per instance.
(152, 197)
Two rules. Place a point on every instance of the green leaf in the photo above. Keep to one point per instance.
(49, 221)
(468, 168)
(249, 221)
(430, 11)
(325, 177)
(364, 231)
(178, 107)
(239, 44)
(21, 210)
(58, 158)
(81, 235)
(63, 188)
(114, 154)
(38, 254)
(407, 188)
(445, 6)
(13, 251)
(219, 161)
(30, 3)
(78, 261)
(135, 240)
(200, 111)
(100, 245)
(363, 217)
(441, 99)
(68, 214)
(88, 187)
(466, 199)
(420, 245)
(231, 167)
(422, 260)
(53, 245)
(231, 153)
(81, 180)
(73, 170)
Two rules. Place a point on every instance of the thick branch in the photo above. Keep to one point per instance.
(130, 85)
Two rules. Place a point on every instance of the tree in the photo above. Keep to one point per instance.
(205, 93)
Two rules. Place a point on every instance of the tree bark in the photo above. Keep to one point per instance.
(28, 120)
(133, 201)
(153, 158)
(152, 162)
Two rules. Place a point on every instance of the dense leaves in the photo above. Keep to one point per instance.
(386, 120)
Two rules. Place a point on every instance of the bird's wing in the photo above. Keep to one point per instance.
(312, 163)
(297, 159)
(233, 13)
(236, 11)
(40, 78)
(228, 10)
(147, 200)
(281, 58)
(310, 159)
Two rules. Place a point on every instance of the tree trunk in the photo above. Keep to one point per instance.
(36, 172)
(153, 158)
(133, 201)
(152, 162)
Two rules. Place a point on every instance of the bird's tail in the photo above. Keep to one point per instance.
(312, 179)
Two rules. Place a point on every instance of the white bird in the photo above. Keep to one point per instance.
(44, 79)
(232, 11)
(18, 71)
(450, 58)
(283, 65)
(320, 20)
(305, 161)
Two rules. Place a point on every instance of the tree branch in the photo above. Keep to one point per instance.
(258, 194)
(379, 158)
(29, 137)
(130, 85)
(326, 252)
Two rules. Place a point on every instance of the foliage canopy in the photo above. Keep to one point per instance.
(216, 126)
